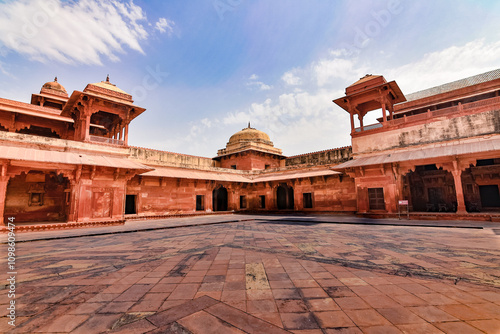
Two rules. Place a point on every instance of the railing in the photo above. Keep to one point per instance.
(107, 140)
(368, 127)
(495, 101)
(481, 103)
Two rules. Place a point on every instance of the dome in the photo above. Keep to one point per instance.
(108, 89)
(249, 134)
(108, 85)
(249, 139)
(54, 86)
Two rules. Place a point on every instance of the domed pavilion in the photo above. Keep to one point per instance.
(249, 149)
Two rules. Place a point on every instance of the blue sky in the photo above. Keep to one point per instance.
(205, 68)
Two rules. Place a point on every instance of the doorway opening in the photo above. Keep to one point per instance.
(130, 205)
(284, 197)
(219, 199)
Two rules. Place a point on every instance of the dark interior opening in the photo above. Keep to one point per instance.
(284, 195)
(262, 202)
(130, 208)
(219, 199)
(490, 196)
(308, 203)
(200, 202)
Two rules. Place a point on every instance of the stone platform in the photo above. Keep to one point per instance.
(260, 274)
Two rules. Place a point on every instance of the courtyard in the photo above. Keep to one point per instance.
(260, 274)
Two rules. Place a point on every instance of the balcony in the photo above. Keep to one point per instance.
(106, 140)
(460, 109)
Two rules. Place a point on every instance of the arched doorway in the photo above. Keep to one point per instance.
(219, 199)
(284, 197)
(430, 189)
(481, 186)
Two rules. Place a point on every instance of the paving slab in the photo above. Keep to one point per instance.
(259, 274)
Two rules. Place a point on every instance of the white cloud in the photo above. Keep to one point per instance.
(71, 32)
(165, 26)
(291, 79)
(450, 64)
(206, 122)
(329, 69)
(306, 120)
(253, 82)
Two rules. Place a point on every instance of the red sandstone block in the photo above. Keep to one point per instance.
(97, 324)
(173, 314)
(134, 293)
(368, 317)
(65, 323)
(333, 319)
(203, 322)
(293, 321)
(243, 320)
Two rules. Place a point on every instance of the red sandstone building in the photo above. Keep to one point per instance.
(66, 158)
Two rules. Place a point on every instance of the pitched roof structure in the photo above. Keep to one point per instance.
(458, 84)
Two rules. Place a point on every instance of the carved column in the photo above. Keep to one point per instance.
(360, 121)
(4, 181)
(352, 121)
(384, 112)
(74, 195)
(126, 135)
(87, 128)
(457, 176)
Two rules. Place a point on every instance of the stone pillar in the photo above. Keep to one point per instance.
(73, 199)
(391, 197)
(352, 121)
(384, 113)
(87, 128)
(362, 197)
(126, 135)
(360, 121)
(457, 176)
(4, 181)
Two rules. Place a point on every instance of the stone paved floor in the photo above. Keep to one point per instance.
(260, 276)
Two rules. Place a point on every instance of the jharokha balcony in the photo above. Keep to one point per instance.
(106, 140)
(432, 113)
(474, 95)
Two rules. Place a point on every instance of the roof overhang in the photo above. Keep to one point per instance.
(391, 87)
(460, 149)
(70, 158)
(184, 173)
(75, 96)
(294, 175)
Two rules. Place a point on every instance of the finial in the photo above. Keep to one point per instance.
(55, 79)
(249, 125)
(107, 78)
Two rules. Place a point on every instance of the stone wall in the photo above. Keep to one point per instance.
(441, 129)
(327, 157)
(164, 196)
(250, 161)
(163, 158)
(32, 200)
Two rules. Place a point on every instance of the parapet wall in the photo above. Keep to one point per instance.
(434, 131)
(163, 158)
(327, 157)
